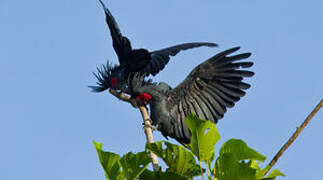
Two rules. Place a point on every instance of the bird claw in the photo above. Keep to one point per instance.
(149, 126)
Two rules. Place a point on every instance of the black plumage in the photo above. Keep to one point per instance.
(211, 88)
(134, 60)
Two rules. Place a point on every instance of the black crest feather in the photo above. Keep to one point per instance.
(103, 77)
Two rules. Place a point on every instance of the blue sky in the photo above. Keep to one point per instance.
(48, 50)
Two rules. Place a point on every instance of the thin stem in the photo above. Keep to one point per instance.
(294, 136)
(208, 169)
(214, 173)
(201, 170)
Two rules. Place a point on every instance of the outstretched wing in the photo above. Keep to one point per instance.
(210, 88)
(121, 44)
(159, 58)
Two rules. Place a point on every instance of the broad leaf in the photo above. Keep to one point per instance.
(204, 137)
(159, 175)
(157, 148)
(109, 162)
(241, 150)
(178, 159)
(134, 164)
(228, 167)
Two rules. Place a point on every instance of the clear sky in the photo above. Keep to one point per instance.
(48, 50)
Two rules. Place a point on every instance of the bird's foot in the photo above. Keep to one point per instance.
(149, 125)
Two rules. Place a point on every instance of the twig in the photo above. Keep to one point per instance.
(147, 124)
(294, 136)
(201, 170)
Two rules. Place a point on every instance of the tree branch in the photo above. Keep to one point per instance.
(294, 136)
(149, 135)
(123, 97)
(147, 123)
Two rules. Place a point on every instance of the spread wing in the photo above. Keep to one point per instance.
(210, 88)
(121, 44)
(159, 58)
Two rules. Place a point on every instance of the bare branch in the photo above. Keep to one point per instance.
(149, 135)
(122, 96)
(294, 136)
(147, 123)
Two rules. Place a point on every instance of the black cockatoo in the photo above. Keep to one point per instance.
(207, 91)
(133, 60)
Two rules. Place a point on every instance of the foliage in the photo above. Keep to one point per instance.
(236, 160)
(177, 158)
(204, 137)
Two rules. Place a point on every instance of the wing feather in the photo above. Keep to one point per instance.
(212, 87)
(229, 91)
(236, 85)
(236, 66)
(198, 105)
(190, 107)
(198, 98)
(228, 98)
(162, 57)
(220, 98)
(121, 44)
(235, 73)
(213, 105)
(206, 107)
(196, 108)
(186, 132)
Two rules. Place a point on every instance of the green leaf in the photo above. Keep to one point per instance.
(204, 137)
(272, 175)
(275, 173)
(177, 158)
(261, 172)
(229, 167)
(134, 164)
(254, 164)
(120, 176)
(241, 150)
(157, 148)
(159, 175)
(109, 162)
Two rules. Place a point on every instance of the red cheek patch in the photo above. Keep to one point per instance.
(114, 81)
(144, 97)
